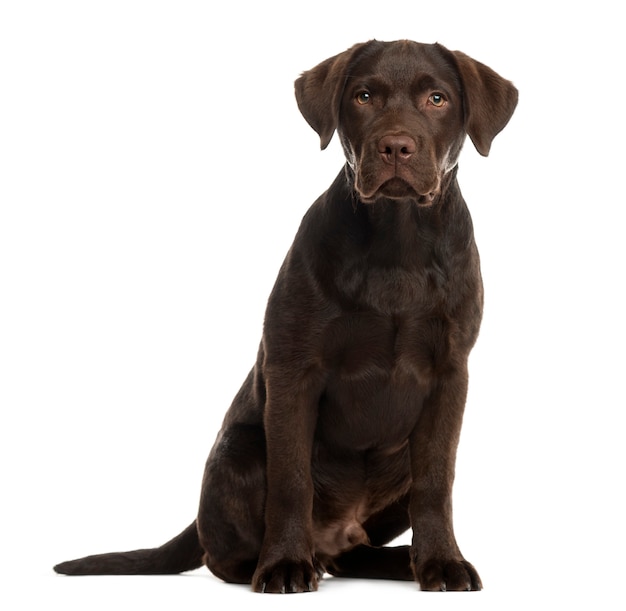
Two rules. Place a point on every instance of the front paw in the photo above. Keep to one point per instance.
(287, 576)
(447, 575)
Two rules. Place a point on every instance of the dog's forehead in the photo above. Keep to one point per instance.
(403, 62)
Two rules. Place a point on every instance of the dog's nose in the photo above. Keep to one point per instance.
(396, 149)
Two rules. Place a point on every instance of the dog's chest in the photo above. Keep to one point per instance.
(393, 289)
(366, 344)
(379, 367)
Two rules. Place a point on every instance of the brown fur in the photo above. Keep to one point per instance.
(344, 434)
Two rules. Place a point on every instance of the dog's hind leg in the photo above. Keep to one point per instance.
(374, 561)
(367, 562)
(230, 521)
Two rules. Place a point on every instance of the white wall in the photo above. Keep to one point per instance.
(153, 171)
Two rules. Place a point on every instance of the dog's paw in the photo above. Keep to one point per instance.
(447, 575)
(287, 577)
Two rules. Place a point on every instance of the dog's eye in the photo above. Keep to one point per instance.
(437, 99)
(363, 97)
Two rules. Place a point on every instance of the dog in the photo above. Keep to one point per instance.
(344, 434)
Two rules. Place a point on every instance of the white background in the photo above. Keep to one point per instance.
(153, 171)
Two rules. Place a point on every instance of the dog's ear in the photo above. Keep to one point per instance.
(489, 101)
(319, 91)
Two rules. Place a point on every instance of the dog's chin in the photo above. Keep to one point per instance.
(397, 189)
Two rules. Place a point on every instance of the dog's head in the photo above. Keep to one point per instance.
(402, 111)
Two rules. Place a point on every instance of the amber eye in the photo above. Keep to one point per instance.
(437, 99)
(363, 97)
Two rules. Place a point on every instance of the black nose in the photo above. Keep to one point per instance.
(396, 149)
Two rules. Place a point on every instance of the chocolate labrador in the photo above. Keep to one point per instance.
(344, 434)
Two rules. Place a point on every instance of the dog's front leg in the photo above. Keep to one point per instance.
(435, 556)
(286, 562)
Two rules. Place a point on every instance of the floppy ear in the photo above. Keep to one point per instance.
(319, 91)
(489, 101)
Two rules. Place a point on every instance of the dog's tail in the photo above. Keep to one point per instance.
(182, 553)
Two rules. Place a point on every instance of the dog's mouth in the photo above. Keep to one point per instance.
(397, 188)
